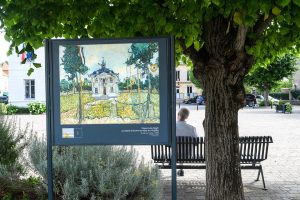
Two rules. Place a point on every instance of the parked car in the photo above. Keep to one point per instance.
(273, 100)
(259, 98)
(200, 100)
(250, 100)
(4, 99)
(196, 99)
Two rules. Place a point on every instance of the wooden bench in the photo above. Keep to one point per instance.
(190, 153)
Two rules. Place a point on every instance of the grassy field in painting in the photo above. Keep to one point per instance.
(126, 108)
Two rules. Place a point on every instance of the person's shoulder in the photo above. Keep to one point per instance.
(189, 125)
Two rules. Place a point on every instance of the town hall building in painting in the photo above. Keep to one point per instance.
(104, 82)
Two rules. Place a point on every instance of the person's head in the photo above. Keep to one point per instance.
(183, 114)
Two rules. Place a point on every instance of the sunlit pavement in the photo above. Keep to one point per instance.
(281, 169)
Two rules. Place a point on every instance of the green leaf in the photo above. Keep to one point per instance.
(228, 28)
(17, 49)
(283, 3)
(169, 28)
(296, 20)
(266, 16)
(37, 65)
(30, 71)
(276, 11)
(284, 31)
(24, 61)
(197, 45)
(22, 51)
(238, 18)
(216, 2)
(189, 41)
(183, 59)
(297, 2)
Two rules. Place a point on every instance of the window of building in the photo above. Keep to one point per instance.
(96, 90)
(177, 89)
(30, 89)
(111, 79)
(111, 89)
(188, 75)
(177, 75)
(189, 90)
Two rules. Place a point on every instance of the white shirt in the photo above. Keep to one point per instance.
(184, 129)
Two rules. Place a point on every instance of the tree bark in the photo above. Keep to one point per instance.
(221, 65)
(266, 96)
(223, 173)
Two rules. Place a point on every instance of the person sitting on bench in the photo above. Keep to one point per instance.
(184, 129)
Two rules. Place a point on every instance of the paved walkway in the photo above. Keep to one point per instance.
(281, 169)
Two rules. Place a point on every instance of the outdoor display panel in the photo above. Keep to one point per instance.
(110, 91)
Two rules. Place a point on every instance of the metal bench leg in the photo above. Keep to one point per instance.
(262, 177)
(259, 171)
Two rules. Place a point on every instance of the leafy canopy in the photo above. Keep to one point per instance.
(33, 22)
(266, 78)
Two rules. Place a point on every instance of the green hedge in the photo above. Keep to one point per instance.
(33, 108)
(280, 96)
(12, 109)
(296, 94)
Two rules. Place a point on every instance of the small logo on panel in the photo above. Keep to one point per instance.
(68, 133)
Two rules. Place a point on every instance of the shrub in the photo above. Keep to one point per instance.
(289, 107)
(262, 103)
(12, 143)
(36, 108)
(97, 172)
(3, 109)
(12, 109)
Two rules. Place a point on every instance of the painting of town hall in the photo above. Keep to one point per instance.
(109, 83)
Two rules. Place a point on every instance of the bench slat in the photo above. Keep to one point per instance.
(192, 150)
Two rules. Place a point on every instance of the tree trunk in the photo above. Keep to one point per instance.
(221, 66)
(223, 173)
(148, 95)
(266, 96)
(80, 115)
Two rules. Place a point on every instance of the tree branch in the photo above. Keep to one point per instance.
(240, 39)
(262, 24)
(195, 56)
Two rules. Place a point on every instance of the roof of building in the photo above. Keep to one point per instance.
(103, 69)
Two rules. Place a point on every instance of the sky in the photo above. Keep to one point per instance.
(4, 45)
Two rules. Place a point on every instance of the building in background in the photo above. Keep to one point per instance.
(24, 89)
(184, 87)
(4, 74)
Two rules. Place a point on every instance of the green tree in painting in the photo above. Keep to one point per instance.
(266, 78)
(65, 86)
(154, 82)
(73, 65)
(223, 39)
(141, 57)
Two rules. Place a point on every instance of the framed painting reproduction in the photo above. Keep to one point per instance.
(110, 91)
